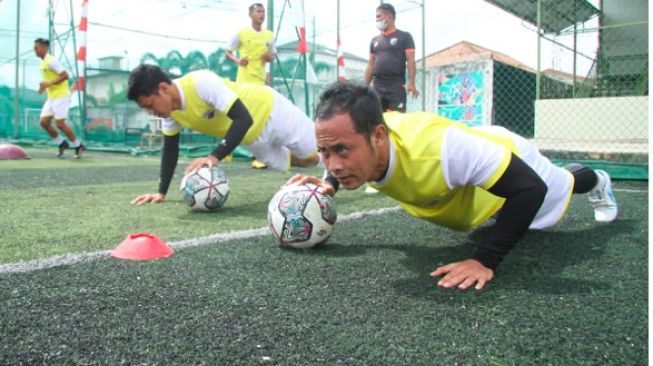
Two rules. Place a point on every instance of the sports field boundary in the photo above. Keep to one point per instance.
(74, 258)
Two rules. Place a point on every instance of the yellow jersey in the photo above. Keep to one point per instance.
(439, 170)
(50, 70)
(206, 100)
(419, 181)
(253, 45)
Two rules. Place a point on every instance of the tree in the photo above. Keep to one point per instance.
(196, 60)
(222, 66)
(149, 58)
(175, 64)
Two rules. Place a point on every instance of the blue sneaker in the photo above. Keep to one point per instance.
(602, 198)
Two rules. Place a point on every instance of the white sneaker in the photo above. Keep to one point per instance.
(370, 190)
(602, 198)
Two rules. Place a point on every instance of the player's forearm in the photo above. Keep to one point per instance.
(411, 72)
(230, 56)
(169, 157)
(368, 74)
(242, 121)
(524, 191)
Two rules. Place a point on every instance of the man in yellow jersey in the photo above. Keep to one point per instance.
(276, 131)
(55, 84)
(256, 49)
(449, 174)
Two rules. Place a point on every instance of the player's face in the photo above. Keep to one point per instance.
(159, 104)
(383, 15)
(257, 15)
(40, 50)
(350, 157)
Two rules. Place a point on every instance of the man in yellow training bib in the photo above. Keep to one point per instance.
(271, 127)
(255, 47)
(55, 83)
(256, 50)
(449, 174)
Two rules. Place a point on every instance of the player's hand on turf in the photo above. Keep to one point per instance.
(465, 274)
(151, 198)
(325, 187)
(197, 164)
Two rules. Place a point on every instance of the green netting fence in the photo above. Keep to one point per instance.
(586, 99)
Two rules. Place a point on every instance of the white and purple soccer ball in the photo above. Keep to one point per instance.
(205, 190)
(299, 216)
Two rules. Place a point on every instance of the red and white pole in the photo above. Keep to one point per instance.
(341, 62)
(81, 53)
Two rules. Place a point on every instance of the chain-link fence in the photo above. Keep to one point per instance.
(598, 107)
(586, 97)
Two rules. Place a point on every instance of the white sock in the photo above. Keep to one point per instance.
(58, 140)
(75, 143)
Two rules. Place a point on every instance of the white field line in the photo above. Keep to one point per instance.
(630, 190)
(68, 259)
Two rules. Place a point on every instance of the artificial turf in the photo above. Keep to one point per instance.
(575, 294)
(55, 207)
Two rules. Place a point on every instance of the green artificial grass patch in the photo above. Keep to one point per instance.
(52, 207)
(572, 295)
(562, 297)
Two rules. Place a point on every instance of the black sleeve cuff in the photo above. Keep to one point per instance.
(332, 180)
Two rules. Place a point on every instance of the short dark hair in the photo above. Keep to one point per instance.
(43, 42)
(389, 8)
(358, 100)
(254, 6)
(144, 81)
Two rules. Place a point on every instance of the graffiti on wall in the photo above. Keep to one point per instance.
(461, 97)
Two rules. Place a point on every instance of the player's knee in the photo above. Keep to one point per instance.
(61, 124)
(45, 122)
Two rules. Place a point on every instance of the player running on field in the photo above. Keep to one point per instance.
(272, 128)
(55, 83)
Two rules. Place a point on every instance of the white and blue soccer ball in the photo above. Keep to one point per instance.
(205, 190)
(301, 217)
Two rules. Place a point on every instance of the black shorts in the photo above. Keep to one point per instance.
(393, 104)
(393, 97)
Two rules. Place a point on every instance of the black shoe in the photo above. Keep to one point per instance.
(79, 150)
(62, 147)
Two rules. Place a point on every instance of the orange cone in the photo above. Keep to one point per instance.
(141, 247)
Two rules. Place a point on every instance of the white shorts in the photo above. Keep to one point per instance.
(288, 131)
(559, 181)
(57, 108)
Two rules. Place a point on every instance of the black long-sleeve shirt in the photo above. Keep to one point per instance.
(242, 121)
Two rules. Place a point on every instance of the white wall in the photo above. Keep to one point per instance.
(620, 119)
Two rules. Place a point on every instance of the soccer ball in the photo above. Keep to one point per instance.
(301, 217)
(205, 190)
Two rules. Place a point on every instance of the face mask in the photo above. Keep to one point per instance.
(381, 25)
